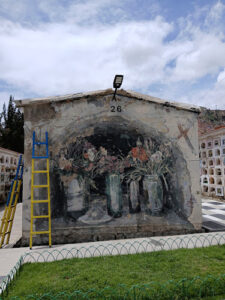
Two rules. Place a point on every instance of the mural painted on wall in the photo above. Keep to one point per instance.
(103, 177)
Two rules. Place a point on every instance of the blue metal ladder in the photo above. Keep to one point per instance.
(10, 208)
(34, 186)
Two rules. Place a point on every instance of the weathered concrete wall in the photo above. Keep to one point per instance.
(127, 141)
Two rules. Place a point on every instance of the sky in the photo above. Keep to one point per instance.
(171, 49)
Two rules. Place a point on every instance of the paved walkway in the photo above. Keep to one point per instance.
(213, 215)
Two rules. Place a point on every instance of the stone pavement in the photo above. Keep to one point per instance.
(213, 215)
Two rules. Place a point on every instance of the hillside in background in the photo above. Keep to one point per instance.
(210, 119)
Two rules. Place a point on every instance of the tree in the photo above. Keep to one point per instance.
(11, 128)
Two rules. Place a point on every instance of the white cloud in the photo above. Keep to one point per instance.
(10, 8)
(203, 54)
(77, 51)
(213, 98)
(221, 78)
(215, 12)
(61, 58)
(75, 12)
(4, 96)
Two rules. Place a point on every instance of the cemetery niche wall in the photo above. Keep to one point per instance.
(118, 169)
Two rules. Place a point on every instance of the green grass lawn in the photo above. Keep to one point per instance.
(100, 272)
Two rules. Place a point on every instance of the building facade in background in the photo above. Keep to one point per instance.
(8, 165)
(212, 162)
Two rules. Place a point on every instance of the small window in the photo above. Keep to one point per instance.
(209, 144)
(211, 171)
(218, 162)
(203, 154)
(217, 152)
(205, 171)
(212, 190)
(223, 151)
(205, 180)
(211, 180)
(218, 172)
(205, 189)
(204, 162)
(210, 153)
(219, 191)
(216, 142)
(203, 145)
(219, 181)
(211, 162)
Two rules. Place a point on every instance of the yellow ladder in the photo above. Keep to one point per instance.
(10, 208)
(33, 187)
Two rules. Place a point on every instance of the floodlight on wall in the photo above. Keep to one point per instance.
(117, 84)
(117, 81)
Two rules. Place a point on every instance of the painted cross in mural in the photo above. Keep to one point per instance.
(99, 175)
(184, 133)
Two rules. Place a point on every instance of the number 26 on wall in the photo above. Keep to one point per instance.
(116, 108)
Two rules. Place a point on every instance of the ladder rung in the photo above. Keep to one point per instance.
(40, 171)
(40, 232)
(40, 201)
(40, 143)
(39, 217)
(41, 186)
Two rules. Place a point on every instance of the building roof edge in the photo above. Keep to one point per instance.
(126, 93)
